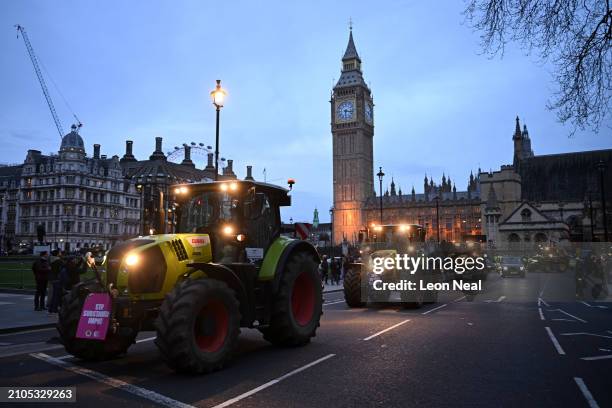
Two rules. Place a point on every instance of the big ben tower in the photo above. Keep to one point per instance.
(352, 127)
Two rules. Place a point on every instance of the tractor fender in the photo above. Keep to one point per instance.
(224, 274)
(291, 248)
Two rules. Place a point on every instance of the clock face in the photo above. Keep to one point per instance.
(368, 112)
(345, 111)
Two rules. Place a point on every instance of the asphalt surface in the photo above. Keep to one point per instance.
(512, 346)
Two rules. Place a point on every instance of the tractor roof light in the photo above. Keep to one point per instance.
(223, 187)
(233, 186)
(404, 228)
(228, 230)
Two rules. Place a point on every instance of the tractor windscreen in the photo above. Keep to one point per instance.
(205, 211)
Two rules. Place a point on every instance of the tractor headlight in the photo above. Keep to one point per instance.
(228, 230)
(132, 260)
(505, 268)
(240, 237)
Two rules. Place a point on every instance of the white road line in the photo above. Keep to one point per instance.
(333, 303)
(272, 382)
(554, 341)
(585, 391)
(541, 314)
(386, 330)
(458, 300)
(500, 299)
(597, 358)
(147, 339)
(543, 301)
(6, 303)
(564, 320)
(27, 331)
(586, 334)
(571, 315)
(585, 303)
(113, 382)
(435, 308)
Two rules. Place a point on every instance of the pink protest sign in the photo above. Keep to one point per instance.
(95, 317)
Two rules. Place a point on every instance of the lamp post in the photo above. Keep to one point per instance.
(601, 166)
(331, 218)
(218, 96)
(380, 175)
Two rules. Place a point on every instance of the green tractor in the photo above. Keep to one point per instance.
(226, 267)
(386, 241)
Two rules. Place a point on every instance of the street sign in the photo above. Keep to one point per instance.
(302, 230)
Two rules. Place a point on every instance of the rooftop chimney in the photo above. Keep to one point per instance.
(103, 157)
(187, 160)
(249, 175)
(158, 154)
(210, 165)
(128, 156)
(229, 169)
(96, 154)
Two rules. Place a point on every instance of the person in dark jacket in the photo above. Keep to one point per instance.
(41, 269)
(57, 264)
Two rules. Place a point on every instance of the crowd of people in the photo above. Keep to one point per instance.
(332, 269)
(55, 275)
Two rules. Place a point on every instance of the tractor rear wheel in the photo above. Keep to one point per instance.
(352, 287)
(198, 325)
(297, 309)
(89, 350)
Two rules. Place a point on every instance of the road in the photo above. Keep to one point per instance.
(513, 346)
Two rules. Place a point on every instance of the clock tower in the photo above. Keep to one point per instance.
(352, 127)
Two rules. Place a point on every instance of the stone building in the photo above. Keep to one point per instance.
(74, 201)
(9, 191)
(545, 199)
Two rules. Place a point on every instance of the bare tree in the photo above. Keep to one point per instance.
(575, 36)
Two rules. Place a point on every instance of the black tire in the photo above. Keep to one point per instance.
(352, 287)
(298, 306)
(89, 350)
(198, 326)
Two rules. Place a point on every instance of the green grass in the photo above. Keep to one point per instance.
(20, 275)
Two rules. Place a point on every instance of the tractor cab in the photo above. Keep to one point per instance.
(234, 214)
(402, 237)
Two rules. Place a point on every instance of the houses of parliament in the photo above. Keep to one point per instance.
(546, 198)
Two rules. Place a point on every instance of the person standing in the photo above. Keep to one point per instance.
(54, 278)
(41, 269)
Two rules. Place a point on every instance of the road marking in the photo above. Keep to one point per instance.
(540, 300)
(597, 357)
(564, 320)
(597, 306)
(586, 334)
(333, 303)
(27, 331)
(113, 382)
(541, 314)
(272, 382)
(567, 314)
(585, 391)
(147, 339)
(458, 300)
(495, 301)
(434, 309)
(386, 330)
(6, 303)
(554, 341)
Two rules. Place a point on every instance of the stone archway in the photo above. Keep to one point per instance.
(514, 237)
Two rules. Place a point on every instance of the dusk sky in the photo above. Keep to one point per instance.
(140, 69)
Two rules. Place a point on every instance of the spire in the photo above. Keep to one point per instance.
(413, 194)
(393, 192)
(525, 132)
(517, 130)
(351, 50)
(399, 192)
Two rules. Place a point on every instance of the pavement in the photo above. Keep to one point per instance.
(519, 343)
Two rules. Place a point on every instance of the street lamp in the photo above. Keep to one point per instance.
(331, 219)
(217, 96)
(601, 166)
(380, 175)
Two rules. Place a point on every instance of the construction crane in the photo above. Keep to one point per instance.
(42, 82)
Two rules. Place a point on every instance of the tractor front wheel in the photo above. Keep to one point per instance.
(352, 287)
(297, 309)
(114, 345)
(198, 325)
